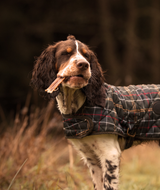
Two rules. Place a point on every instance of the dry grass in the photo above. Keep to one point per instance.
(35, 136)
(140, 168)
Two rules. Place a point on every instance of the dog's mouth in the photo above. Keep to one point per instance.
(77, 76)
(74, 81)
(74, 77)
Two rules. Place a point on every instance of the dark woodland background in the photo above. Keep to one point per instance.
(125, 35)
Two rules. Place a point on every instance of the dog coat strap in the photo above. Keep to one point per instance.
(77, 126)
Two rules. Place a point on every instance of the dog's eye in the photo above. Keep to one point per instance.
(86, 55)
(66, 53)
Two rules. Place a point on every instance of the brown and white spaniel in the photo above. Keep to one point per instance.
(83, 81)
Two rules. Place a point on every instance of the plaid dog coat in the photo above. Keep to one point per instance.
(132, 112)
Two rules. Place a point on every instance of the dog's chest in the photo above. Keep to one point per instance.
(70, 100)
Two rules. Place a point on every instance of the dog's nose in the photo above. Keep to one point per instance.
(82, 65)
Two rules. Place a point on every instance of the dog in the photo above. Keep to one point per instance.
(100, 120)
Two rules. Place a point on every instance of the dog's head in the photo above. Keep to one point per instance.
(73, 60)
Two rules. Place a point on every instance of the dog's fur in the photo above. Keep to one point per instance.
(84, 82)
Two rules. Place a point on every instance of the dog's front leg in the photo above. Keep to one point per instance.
(85, 148)
(95, 171)
(94, 165)
(109, 152)
(102, 155)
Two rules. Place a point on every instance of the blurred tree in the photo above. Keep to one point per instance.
(125, 35)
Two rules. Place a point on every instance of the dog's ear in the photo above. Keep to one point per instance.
(95, 90)
(44, 72)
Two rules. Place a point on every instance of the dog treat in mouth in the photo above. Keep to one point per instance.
(55, 84)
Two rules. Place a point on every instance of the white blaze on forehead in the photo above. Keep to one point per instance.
(76, 57)
(77, 47)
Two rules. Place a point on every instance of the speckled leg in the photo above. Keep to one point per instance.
(92, 160)
(101, 153)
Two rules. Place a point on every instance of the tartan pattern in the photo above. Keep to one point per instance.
(126, 107)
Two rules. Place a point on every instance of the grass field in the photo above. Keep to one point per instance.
(34, 156)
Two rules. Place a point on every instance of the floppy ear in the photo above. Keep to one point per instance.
(95, 90)
(44, 72)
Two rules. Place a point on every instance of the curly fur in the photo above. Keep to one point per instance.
(95, 91)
